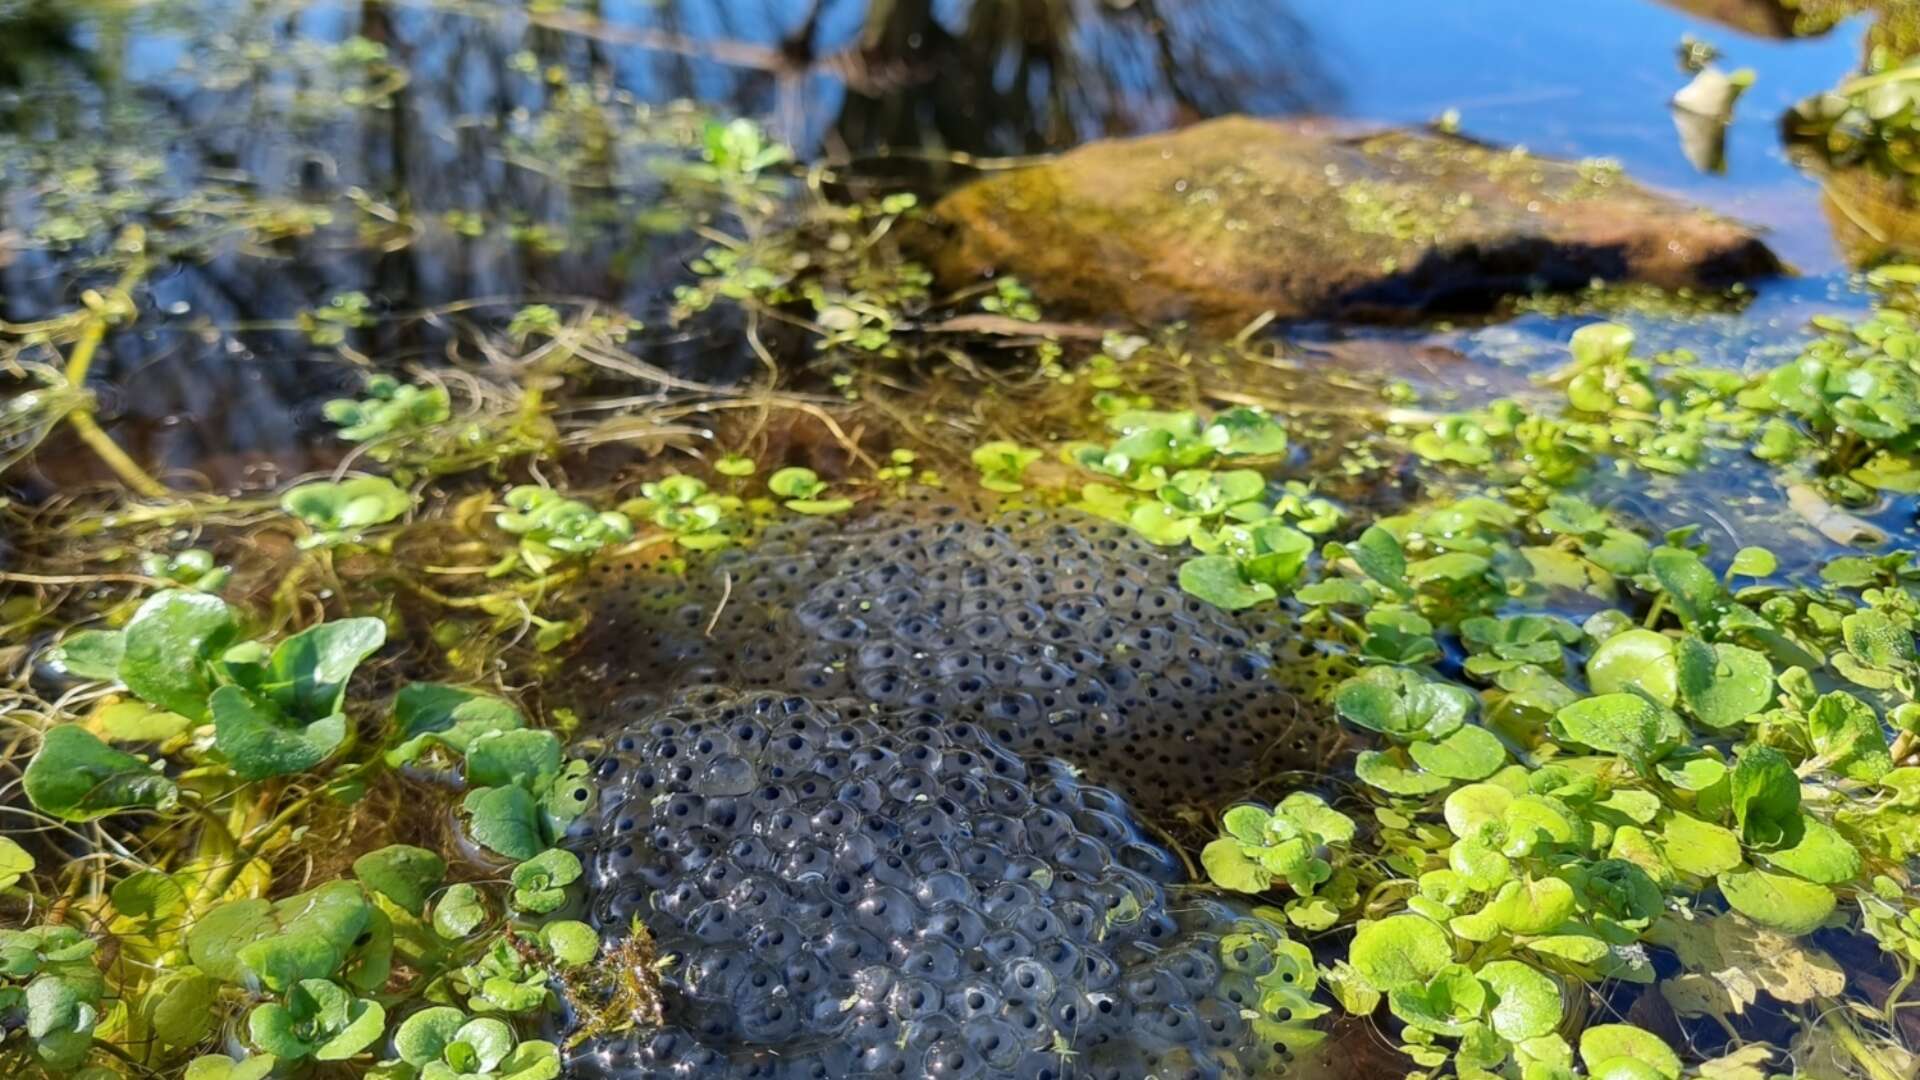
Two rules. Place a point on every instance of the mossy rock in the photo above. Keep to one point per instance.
(1761, 18)
(1225, 220)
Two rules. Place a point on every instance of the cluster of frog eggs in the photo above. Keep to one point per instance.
(881, 894)
(1062, 636)
(836, 791)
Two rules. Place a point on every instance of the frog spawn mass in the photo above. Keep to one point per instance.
(850, 790)
(1062, 635)
(848, 891)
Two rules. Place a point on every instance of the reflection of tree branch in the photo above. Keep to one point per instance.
(731, 53)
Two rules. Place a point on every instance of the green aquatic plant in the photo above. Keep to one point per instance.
(802, 491)
(698, 518)
(206, 715)
(553, 528)
(342, 512)
(391, 409)
(1559, 806)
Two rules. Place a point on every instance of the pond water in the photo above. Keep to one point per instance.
(346, 133)
(650, 467)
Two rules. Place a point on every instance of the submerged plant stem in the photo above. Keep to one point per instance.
(79, 362)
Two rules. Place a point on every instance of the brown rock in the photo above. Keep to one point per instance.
(1231, 218)
(1761, 18)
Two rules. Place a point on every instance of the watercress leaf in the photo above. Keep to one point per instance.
(91, 654)
(1245, 431)
(260, 741)
(1471, 753)
(1533, 820)
(1382, 771)
(425, 1035)
(1246, 823)
(527, 758)
(572, 943)
(1480, 867)
(1786, 904)
(1445, 1005)
(76, 777)
(1821, 855)
(1755, 562)
(1379, 555)
(1766, 797)
(1532, 905)
(149, 897)
(505, 820)
(1400, 950)
(132, 720)
(1689, 586)
(15, 863)
(181, 1005)
(1527, 1003)
(795, 482)
(488, 1039)
(1877, 641)
(534, 1059)
(539, 883)
(310, 935)
(169, 645)
(428, 714)
(1217, 580)
(365, 1021)
(1403, 704)
(222, 1067)
(1635, 660)
(1312, 813)
(1723, 684)
(1847, 733)
(1228, 866)
(1469, 808)
(1699, 847)
(1603, 1044)
(1628, 725)
(402, 873)
(342, 511)
(308, 672)
(55, 1004)
(459, 912)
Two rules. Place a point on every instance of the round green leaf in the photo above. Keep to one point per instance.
(77, 777)
(1635, 660)
(1723, 684)
(1474, 805)
(1699, 847)
(1217, 580)
(402, 873)
(260, 741)
(1532, 906)
(1527, 1002)
(1471, 753)
(1381, 771)
(1400, 950)
(1821, 855)
(1603, 1044)
(1786, 904)
(572, 943)
(15, 863)
(505, 820)
(459, 912)
(423, 1036)
(1403, 704)
(1624, 724)
(169, 644)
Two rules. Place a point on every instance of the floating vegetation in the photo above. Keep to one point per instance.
(658, 628)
